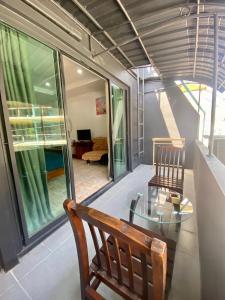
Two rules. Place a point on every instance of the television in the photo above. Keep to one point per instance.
(84, 134)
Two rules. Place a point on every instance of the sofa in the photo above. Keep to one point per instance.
(99, 151)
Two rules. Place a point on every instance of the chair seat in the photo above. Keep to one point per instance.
(167, 182)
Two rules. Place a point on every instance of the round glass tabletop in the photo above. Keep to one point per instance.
(162, 207)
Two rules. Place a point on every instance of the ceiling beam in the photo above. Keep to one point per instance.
(209, 75)
(183, 64)
(196, 39)
(149, 14)
(135, 31)
(173, 31)
(190, 73)
(157, 27)
(203, 69)
(176, 59)
(186, 45)
(190, 50)
(177, 39)
(87, 14)
(191, 45)
(158, 12)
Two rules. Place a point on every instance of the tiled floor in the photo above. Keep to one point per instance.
(50, 271)
(89, 178)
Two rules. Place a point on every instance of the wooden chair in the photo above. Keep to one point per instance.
(169, 164)
(128, 261)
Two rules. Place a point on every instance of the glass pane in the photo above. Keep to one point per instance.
(36, 117)
(119, 131)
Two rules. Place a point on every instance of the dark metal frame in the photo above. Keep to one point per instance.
(40, 235)
(10, 227)
(128, 139)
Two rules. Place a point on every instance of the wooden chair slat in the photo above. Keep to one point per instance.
(168, 166)
(178, 163)
(96, 244)
(164, 166)
(130, 262)
(138, 282)
(106, 251)
(117, 258)
(144, 277)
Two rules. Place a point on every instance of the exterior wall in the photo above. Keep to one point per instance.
(185, 117)
(154, 125)
(209, 175)
(10, 240)
(29, 20)
(24, 17)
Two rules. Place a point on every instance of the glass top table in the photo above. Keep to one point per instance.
(161, 206)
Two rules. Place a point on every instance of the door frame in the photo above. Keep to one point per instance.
(30, 241)
(109, 129)
(11, 243)
(127, 135)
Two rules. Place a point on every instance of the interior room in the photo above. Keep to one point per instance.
(88, 118)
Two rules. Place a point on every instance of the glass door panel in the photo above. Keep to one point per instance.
(36, 117)
(119, 131)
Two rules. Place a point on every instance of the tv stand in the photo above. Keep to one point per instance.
(81, 147)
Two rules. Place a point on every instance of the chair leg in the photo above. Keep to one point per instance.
(132, 208)
(149, 200)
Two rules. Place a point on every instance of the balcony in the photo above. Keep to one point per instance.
(51, 270)
(170, 60)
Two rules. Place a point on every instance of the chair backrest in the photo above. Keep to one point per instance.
(100, 143)
(133, 253)
(169, 162)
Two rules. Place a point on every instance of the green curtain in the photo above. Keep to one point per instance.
(30, 163)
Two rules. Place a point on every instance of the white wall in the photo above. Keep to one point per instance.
(81, 103)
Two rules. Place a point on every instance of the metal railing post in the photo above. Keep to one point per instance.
(214, 93)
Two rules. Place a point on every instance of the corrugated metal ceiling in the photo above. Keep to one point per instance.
(158, 32)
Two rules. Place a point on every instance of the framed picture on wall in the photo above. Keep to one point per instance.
(100, 106)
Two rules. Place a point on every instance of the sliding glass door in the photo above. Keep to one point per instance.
(35, 113)
(119, 130)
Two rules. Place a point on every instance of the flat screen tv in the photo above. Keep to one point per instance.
(84, 135)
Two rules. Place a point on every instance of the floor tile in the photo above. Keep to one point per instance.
(186, 276)
(15, 293)
(6, 282)
(56, 278)
(56, 239)
(187, 242)
(30, 260)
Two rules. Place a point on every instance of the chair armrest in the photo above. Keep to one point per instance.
(91, 294)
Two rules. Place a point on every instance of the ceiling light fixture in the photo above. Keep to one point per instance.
(47, 84)
(79, 71)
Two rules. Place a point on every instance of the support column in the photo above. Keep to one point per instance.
(199, 97)
(215, 71)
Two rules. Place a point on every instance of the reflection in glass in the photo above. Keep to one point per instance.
(119, 131)
(36, 116)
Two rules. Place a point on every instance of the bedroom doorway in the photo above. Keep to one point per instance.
(87, 102)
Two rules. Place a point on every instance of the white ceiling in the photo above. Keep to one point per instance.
(76, 75)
